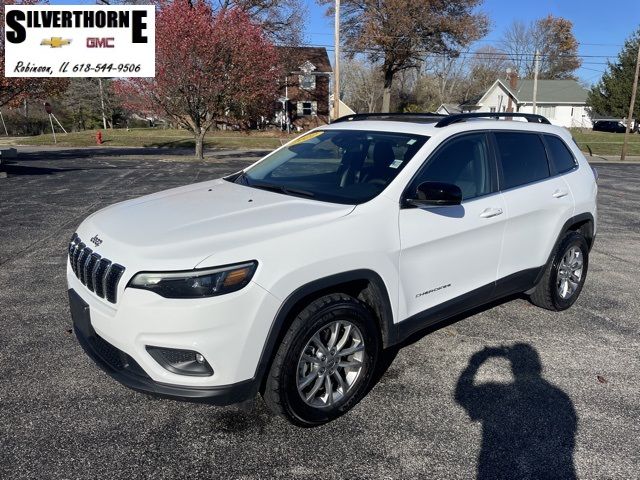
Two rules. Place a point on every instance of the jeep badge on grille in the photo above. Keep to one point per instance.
(96, 240)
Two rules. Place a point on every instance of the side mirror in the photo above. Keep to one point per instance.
(436, 194)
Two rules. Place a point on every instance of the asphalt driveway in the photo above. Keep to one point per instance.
(440, 410)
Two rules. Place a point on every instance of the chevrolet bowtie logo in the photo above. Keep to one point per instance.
(55, 42)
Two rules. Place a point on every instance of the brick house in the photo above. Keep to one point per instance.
(304, 88)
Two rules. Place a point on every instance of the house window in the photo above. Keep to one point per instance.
(549, 112)
(308, 82)
(307, 109)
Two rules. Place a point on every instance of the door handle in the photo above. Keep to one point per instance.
(559, 193)
(491, 212)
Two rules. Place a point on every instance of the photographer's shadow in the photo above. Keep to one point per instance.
(528, 426)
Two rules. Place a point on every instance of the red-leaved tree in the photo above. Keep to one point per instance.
(210, 67)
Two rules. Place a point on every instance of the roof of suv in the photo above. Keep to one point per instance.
(429, 125)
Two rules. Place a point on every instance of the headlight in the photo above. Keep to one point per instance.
(207, 282)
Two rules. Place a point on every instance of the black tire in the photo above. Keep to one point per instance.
(281, 390)
(546, 293)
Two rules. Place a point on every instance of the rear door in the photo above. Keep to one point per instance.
(538, 202)
(448, 252)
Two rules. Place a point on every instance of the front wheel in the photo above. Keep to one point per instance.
(564, 277)
(325, 361)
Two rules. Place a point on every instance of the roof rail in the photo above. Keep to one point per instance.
(405, 116)
(461, 117)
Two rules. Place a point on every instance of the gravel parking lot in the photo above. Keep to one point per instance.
(61, 417)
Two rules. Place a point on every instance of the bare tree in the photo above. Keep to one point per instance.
(427, 94)
(282, 20)
(460, 78)
(517, 41)
(447, 73)
(361, 84)
(551, 36)
(486, 65)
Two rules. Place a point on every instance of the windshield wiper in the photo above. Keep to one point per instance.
(282, 189)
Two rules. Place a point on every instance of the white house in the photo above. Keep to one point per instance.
(563, 102)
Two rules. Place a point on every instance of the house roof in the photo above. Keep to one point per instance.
(295, 57)
(451, 107)
(549, 91)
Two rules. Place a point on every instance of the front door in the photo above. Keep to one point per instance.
(452, 253)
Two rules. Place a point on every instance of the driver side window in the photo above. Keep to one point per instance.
(463, 161)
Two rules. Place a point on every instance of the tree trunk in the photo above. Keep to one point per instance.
(199, 144)
(386, 92)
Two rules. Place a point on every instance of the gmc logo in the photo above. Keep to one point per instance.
(95, 42)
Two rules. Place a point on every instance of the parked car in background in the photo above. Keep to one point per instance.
(613, 126)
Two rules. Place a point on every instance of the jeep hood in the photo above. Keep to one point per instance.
(178, 228)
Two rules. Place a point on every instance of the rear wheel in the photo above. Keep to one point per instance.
(325, 362)
(564, 277)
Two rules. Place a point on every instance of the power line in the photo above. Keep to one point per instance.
(495, 42)
(462, 55)
(524, 55)
(593, 70)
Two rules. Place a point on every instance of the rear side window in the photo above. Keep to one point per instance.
(561, 156)
(522, 157)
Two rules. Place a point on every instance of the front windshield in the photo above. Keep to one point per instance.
(341, 166)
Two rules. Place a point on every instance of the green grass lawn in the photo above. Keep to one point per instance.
(163, 138)
(604, 143)
(600, 143)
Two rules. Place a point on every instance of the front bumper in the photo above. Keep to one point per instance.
(228, 330)
(126, 370)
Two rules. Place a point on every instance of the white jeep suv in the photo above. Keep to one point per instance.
(290, 277)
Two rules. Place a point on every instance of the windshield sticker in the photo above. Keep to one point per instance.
(411, 142)
(395, 164)
(304, 138)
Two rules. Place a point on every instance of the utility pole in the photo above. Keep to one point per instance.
(104, 118)
(336, 68)
(535, 80)
(625, 145)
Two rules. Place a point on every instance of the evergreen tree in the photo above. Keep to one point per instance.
(611, 96)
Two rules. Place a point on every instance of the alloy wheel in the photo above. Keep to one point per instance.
(330, 364)
(569, 272)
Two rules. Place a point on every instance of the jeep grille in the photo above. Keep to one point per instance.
(98, 274)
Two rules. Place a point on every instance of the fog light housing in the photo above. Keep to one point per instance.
(181, 362)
